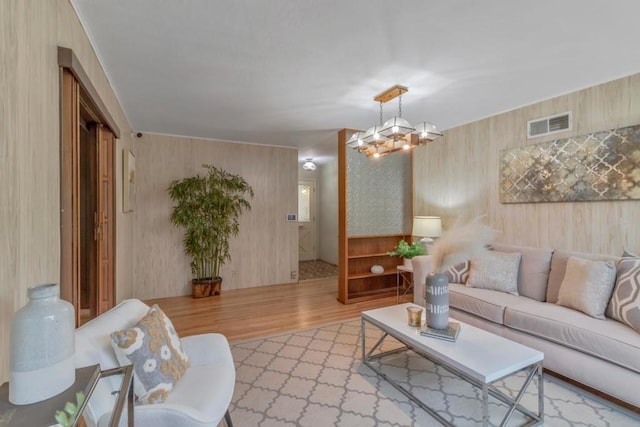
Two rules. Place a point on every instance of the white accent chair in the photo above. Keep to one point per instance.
(200, 398)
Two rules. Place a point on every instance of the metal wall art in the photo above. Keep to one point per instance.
(597, 166)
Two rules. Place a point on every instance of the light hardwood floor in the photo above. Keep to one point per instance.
(247, 313)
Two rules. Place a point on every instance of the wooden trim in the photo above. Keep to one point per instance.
(67, 59)
(69, 157)
(343, 261)
(391, 93)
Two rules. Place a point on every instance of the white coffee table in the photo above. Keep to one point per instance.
(478, 356)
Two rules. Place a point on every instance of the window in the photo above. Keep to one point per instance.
(304, 203)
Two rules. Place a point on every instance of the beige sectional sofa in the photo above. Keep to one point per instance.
(603, 354)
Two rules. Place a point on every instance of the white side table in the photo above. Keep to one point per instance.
(404, 277)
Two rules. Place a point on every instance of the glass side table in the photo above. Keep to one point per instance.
(43, 413)
(404, 279)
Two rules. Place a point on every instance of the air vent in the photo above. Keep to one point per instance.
(549, 125)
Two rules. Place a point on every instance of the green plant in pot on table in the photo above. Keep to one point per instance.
(408, 251)
(209, 208)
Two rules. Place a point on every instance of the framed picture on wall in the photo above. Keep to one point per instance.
(128, 181)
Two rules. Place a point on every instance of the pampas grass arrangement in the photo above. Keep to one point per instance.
(460, 243)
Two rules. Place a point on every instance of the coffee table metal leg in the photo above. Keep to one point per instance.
(485, 405)
(540, 392)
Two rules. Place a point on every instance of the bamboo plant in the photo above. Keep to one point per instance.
(209, 208)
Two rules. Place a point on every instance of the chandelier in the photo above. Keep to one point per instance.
(395, 134)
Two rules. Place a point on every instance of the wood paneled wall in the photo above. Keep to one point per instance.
(458, 175)
(30, 31)
(266, 250)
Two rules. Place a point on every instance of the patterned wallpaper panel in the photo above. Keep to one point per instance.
(378, 194)
(597, 166)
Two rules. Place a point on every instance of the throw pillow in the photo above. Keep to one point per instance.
(627, 254)
(458, 273)
(625, 301)
(497, 271)
(154, 349)
(587, 286)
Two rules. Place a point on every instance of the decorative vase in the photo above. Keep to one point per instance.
(437, 296)
(42, 347)
(377, 269)
(407, 262)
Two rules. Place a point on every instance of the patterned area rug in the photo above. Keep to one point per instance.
(316, 270)
(315, 378)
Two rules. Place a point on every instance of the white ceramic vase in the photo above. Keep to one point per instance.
(42, 347)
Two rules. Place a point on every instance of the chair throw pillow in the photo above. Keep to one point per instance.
(458, 273)
(587, 286)
(625, 301)
(154, 349)
(497, 271)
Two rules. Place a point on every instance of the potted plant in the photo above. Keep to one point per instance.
(408, 251)
(208, 207)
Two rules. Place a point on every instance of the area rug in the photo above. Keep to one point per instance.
(315, 378)
(317, 269)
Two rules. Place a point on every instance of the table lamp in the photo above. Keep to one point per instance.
(427, 227)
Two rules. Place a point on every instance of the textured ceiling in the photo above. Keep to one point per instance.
(293, 72)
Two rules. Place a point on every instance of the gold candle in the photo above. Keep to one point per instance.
(415, 316)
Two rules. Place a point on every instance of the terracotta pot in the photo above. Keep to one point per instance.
(216, 286)
(206, 287)
(201, 288)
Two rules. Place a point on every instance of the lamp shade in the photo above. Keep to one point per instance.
(427, 226)
(396, 127)
(427, 131)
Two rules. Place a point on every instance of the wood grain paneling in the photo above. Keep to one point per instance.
(458, 175)
(30, 32)
(266, 250)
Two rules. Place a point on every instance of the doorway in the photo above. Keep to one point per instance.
(87, 197)
(307, 220)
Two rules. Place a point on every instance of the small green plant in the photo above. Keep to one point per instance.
(67, 417)
(408, 251)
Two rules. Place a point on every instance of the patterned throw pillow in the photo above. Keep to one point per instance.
(458, 273)
(625, 301)
(154, 349)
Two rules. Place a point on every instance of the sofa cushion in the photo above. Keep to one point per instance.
(534, 269)
(155, 350)
(587, 286)
(625, 301)
(458, 273)
(607, 339)
(497, 271)
(483, 303)
(559, 265)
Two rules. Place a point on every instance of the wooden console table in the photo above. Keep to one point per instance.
(43, 413)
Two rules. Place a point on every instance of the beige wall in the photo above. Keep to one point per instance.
(458, 175)
(328, 209)
(266, 250)
(30, 31)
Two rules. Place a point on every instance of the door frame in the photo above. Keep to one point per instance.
(76, 92)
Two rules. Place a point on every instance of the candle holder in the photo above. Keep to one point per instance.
(414, 315)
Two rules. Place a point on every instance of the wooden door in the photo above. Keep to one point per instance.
(81, 243)
(105, 224)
